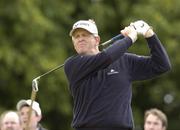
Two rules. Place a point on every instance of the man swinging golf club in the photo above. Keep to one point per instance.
(100, 81)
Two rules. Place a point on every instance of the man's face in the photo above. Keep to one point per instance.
(11, 122)
(84, 42)
(24, 115)
(152, 122)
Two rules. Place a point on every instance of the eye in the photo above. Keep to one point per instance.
(85, 35)
(75, 36)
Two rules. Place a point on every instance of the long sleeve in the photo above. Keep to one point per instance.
(145, 67)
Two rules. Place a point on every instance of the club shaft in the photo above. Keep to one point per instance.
(52, 70)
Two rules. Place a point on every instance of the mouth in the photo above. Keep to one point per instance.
(24, 122)
(81, 45)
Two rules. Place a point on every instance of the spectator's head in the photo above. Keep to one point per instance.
(10, 120)
(155, 119)
(24, 107)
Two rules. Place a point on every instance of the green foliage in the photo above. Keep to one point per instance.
(34, 38)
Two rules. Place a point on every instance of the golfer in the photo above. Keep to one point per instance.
(100, 81)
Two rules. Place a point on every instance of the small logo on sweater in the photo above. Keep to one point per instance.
(112, 71)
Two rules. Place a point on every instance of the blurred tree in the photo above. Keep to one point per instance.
(32, 42)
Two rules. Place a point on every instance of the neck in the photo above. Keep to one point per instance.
(93, 51)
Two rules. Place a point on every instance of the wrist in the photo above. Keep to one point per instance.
(149, 33)
(133, 37)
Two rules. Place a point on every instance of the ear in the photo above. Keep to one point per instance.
(163, 128)
(97, 40)
(39, 118)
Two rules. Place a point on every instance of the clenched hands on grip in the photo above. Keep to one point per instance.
(138, 27)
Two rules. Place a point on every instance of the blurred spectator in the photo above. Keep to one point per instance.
(9, 120)
(23, 107)
(155, 119)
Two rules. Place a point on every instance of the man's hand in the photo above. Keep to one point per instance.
(130, 32)
(143, 28)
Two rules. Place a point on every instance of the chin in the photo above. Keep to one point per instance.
(82, 52)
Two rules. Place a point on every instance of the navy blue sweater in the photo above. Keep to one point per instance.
(101, 84)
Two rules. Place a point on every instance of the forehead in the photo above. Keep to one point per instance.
(153, 118)
(80, 30)
(11, 117)
(26, 109)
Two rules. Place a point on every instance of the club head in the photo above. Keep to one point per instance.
(35, 84)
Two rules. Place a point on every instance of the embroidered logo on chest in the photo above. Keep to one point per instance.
(112, 71)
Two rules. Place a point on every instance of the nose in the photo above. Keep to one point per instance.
(151, 127)
(80, 38)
